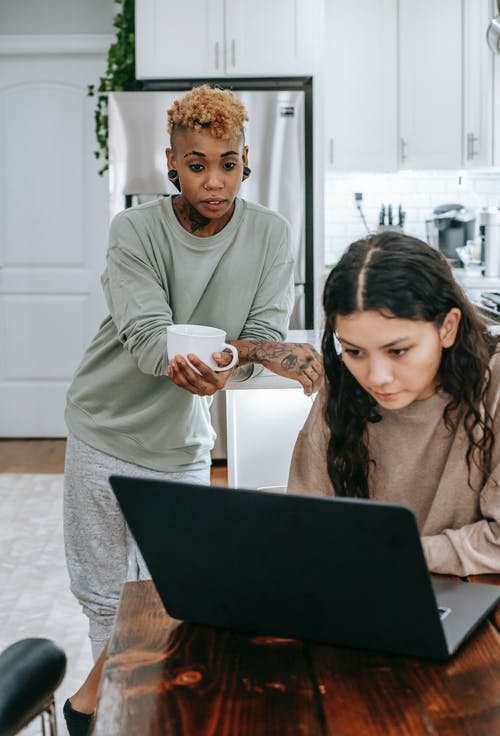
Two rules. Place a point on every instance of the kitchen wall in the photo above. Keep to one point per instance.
(418, 192)
(56, 16)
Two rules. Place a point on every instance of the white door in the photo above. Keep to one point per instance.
(53, 230)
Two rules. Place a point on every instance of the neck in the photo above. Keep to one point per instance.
(193, 222)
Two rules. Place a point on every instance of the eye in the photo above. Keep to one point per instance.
(352, 352)
(229, 165)
(399, 352)
(196, 167)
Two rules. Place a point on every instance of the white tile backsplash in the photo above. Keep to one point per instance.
(417, 192)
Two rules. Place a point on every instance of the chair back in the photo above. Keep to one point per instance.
(30, 672)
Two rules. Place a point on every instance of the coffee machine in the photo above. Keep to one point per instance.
(453, 226)
(489, 230)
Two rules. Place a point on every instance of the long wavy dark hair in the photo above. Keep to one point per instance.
(402, 276)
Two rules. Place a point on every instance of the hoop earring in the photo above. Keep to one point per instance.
(246, 173)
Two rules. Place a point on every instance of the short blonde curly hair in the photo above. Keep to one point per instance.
(217, 109)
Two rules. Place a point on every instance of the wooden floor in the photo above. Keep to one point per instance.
(47, 456)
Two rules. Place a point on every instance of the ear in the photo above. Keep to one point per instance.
(449, 328)
(244, 156)
(171, 162)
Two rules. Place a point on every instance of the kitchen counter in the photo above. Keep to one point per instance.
(473, 279)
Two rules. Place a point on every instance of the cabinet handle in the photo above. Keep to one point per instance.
(331, 151)
(471, 140)
(404, 144)
(216, 54)
(233, 52)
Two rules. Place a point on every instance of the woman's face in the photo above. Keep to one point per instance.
(395, 360)
(210, 170)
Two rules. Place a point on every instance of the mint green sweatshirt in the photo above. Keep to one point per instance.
(120, 401)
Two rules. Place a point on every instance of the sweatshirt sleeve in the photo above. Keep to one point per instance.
(474, 549)
(137, 300)
(308, 468)
(273, 302)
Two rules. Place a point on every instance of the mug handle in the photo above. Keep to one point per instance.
(233, 361)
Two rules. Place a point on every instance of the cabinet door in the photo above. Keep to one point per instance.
(179, 39)
(430, 87)
(266, 38)
(361, 84)
(478, 85)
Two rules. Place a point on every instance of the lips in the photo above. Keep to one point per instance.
(384, 397)
(213, 202)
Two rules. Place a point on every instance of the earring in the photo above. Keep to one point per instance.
(246, 172)
(172, 174)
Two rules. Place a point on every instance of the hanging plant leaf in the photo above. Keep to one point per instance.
(119, 76)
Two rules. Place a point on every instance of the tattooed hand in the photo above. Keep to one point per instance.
(295, 360)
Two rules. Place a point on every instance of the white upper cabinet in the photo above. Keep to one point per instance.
(430, 84)
(408, 85)
(478, 85)
(361, 85)
(213, 38)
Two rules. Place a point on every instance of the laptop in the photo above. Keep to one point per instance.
(344, 571)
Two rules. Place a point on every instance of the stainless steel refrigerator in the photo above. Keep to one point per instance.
(279, 137)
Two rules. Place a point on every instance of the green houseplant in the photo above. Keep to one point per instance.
(119, 77)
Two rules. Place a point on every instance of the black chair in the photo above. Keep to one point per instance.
(30, 672)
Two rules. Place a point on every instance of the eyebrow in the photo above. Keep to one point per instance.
(204, 155)
(387, 344)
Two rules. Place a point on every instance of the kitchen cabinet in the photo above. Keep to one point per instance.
(408, 85)
(430, 84)
(216, 38)
(478, 85)
(361, 84)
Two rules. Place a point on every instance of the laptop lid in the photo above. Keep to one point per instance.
(337, 570)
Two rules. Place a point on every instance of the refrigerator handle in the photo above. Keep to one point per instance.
(216, 54)
(331, 151)
(233, 52)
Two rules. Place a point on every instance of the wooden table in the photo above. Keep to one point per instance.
(176, 679)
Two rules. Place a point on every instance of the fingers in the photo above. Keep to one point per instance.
(203, 381)
(223, 358)
(310, 370)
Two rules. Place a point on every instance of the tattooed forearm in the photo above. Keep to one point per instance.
(290, 355)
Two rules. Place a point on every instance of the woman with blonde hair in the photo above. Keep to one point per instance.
(204, 256)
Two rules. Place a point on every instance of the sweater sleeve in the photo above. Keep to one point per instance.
(272, 305)
(136, 297)
(474, 549)
(308, 469)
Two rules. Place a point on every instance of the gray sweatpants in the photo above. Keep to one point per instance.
(101, 553)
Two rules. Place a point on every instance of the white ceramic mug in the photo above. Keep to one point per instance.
(201, 341)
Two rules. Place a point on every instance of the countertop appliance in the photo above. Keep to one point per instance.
(489, 229)
(279, 137)
(455, 226)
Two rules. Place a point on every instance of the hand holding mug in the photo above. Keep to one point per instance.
(192, 366)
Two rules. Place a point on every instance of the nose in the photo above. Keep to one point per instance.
(213, 181)
(379, 372)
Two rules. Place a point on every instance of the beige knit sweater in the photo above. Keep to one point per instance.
(420, 464)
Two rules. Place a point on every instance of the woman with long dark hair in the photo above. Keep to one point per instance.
(409, 411)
